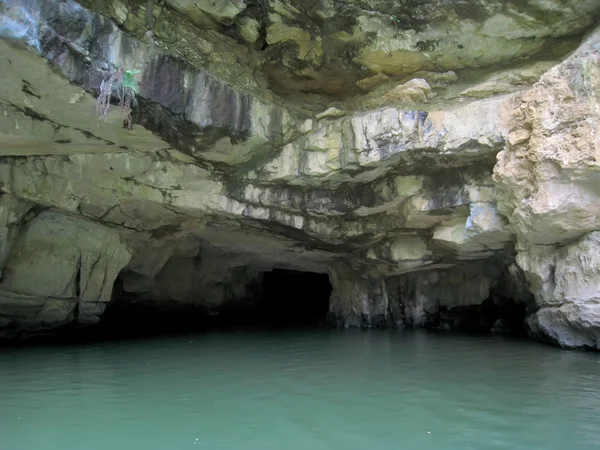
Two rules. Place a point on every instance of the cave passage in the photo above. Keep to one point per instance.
(275, 299)
(292, 298)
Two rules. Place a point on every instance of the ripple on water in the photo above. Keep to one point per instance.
(300, 390)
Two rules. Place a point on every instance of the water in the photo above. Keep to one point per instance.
(293, 390)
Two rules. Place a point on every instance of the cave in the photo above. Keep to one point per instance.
(277, 298)
(432, 195)
(292, 298)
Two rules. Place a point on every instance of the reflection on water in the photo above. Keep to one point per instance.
(300, 390)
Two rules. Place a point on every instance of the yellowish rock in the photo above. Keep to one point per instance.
(371, 82)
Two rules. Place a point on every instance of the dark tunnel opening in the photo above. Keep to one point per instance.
(293, 298)
(278, 298)
(281, 298)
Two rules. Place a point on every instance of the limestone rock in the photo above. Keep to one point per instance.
(508, 80)
(197, 122)
(407, 248)
(309, 49)
(547, 175)
(419, 298)
(436, 78)
(62, 257)
(249, 29)
(225, 11)
(330, 113)
(373, 141)
(566, 285)
(415, 91)
(357, 301)
(19, 313)
(329, 48)
(149, 256)
(356, 139)
(12, 212)
(483, 231)
(371, 82)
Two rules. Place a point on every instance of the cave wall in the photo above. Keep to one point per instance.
(60, 270)
(440, 166)
(464, 297)
(565, 282)
(548, 186)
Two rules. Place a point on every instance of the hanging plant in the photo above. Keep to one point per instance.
(123, 85)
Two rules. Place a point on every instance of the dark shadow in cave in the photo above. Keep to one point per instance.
(495, 314)
(134, 315)
(293, 298)
(281, 299)
(276, 299)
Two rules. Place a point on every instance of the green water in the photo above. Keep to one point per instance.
(300, 390)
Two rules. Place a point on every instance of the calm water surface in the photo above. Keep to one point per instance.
(300, 390)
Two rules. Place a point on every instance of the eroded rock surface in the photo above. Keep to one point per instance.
(566, 284)
(408, 151)
(60, 269)
(549, 185)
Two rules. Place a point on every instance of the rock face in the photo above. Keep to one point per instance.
(566, 284)
(549, 189)
(376, 142)
(63, 265)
